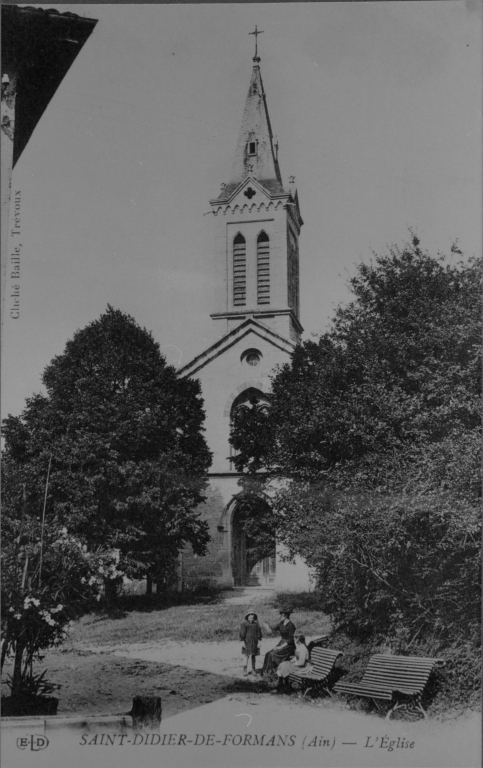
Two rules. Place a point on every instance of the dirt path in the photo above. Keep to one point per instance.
(218, 658)
(223, 659)
(247, 596)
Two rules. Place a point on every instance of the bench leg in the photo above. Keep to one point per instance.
(420, 707)
(308, 684)
(378, 706)
(398, 705)
(391, 710)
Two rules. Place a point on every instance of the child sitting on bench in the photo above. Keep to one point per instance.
(294, 664)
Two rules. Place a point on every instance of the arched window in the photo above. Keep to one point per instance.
(239, 271)
(263, 269)
(249, 399)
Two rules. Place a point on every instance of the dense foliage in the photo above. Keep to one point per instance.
(123, 436)
(399, 369)
(400, 565)
(49, 578)
(376, 429)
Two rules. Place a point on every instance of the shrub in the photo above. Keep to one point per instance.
(402, 566)
(48, 578)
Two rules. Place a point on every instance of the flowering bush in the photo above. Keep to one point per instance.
(48, 580)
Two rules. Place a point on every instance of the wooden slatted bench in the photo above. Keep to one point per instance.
(397, 679)
(323, 661)
(316, 642)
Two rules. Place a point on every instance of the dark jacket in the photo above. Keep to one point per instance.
(287, 632)
(251, 633)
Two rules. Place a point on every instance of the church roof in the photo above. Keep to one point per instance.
(272, 186)
(233, 337)
(255, 154)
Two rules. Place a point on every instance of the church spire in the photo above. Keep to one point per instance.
(257, 235)
(255, 153)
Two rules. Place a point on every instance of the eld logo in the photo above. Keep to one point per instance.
(35, 741)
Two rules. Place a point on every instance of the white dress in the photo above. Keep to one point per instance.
(300, 665)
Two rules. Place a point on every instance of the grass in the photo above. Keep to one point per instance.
(144, 619)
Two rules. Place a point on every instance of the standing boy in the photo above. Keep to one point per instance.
(251, 634)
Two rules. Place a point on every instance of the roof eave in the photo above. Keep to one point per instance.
(256, 183)
(197, 362)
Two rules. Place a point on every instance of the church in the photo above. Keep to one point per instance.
(256, 322)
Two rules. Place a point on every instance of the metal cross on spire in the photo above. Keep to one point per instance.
(256, 33)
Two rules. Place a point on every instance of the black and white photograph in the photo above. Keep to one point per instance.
(241, 384)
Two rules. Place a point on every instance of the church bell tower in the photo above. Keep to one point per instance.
(257, 227)
(256, 318)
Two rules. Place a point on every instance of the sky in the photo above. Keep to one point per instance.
(377, 111)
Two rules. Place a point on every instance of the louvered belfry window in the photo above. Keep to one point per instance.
(263, 269)
(239, 271)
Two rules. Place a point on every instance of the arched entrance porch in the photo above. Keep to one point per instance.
(251, 544)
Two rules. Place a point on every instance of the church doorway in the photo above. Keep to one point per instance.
(263, 573)
(253, 561)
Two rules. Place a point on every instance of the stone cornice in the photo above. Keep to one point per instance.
(248, 207)
(259, 315)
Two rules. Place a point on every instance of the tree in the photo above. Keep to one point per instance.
(397, 374)
(375, 429)
(123, 436)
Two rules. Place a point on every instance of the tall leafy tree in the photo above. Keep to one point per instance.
(124, 439)
(375, 429)
(396, 375)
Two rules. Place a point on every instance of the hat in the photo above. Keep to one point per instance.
(285, 609)
(251, 611)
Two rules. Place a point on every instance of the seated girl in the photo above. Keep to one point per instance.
(297, 663)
